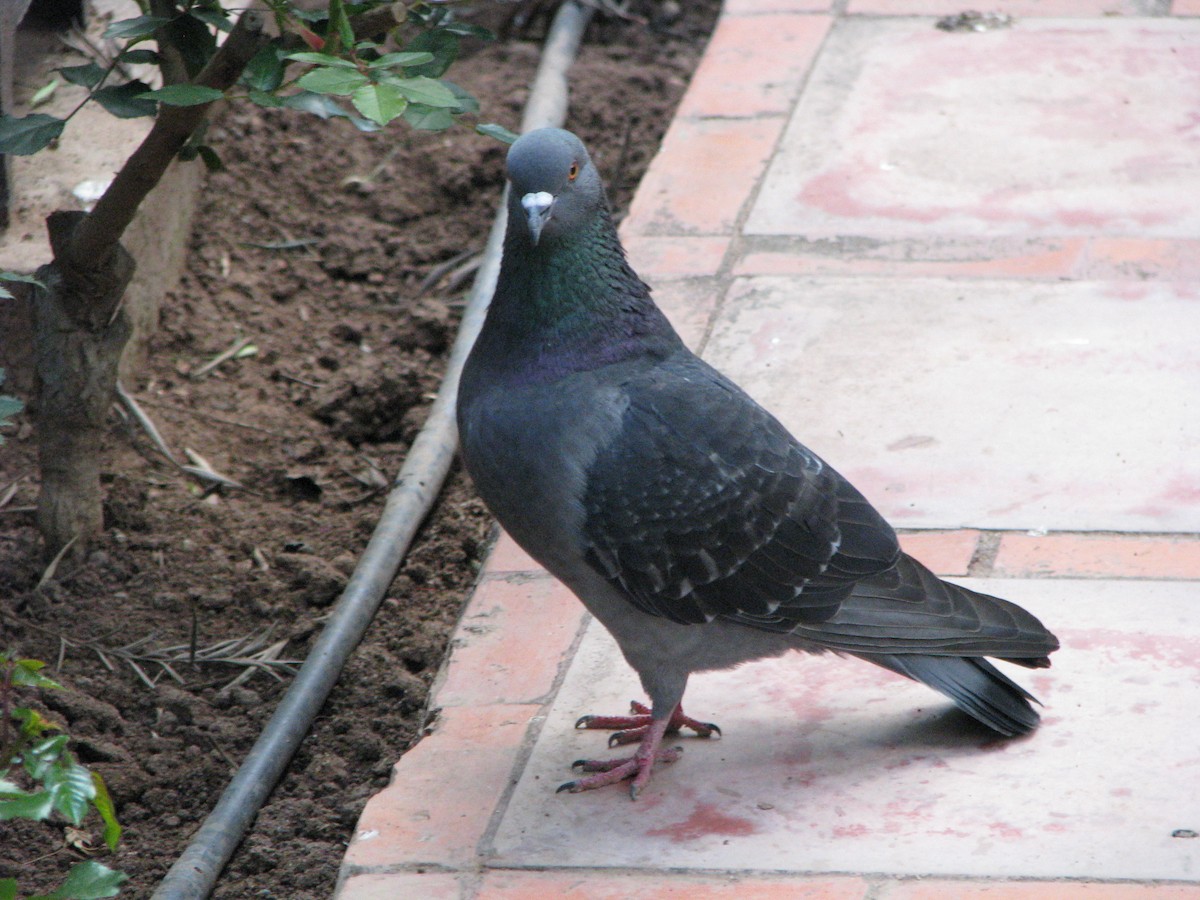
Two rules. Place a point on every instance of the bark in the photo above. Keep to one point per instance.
(79, 332)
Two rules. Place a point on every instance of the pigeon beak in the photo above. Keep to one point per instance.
(537, 211)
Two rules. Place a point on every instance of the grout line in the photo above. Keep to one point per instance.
(983, 560)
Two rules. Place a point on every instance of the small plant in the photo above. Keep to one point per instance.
(55, 782)
(331, 61)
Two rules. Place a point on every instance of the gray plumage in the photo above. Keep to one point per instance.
(684, 516)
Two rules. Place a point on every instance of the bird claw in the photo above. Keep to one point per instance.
(632, 728)
(610, 771)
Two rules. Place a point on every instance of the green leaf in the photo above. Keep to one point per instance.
(321, 59)
(27, 672)
(8, 889)
(9, 407)
(28, 806)
(325, 107)
(212, 162)
(9, 789)
(183, 95)
(136, 28)
(43, 755)
(401, 60)
(33, 724)
(27, 279)
(44, 93)
(72, 788)
(194, 40)
(466, 101)
(265, 70)
(88, 75)
(213, 17)
(89, 880)
(425, 90)
(428, 118)
(104, 806)
(439, 42)
(332, 81)
(379, 102)
(262, 98)
(139, 57)
(320, 105)
(125, 101)
(29, 134)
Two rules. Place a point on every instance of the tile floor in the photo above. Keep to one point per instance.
(966, 269)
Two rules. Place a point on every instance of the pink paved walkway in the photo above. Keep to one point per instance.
(965, 268)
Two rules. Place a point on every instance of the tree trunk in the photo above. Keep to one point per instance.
(79, 332)
(79, 326)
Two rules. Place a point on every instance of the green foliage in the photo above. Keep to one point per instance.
(499, 132)
(340, 75)
(56, 782)
(21, 136)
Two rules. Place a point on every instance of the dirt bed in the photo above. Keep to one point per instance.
(313, 243)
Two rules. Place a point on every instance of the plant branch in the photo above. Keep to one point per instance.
(99, 233)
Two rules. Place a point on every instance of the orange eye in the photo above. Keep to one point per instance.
(573, 171)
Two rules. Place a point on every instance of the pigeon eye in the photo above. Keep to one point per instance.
(573, 171)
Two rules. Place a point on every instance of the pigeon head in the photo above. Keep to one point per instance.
(555, 187)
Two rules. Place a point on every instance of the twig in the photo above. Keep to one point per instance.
(201, 468)
(229, 353)
(144, 420)
(10, 492)
(53, 566)
(254, 652)
(293, 378)
(212, 417)
(437, 272)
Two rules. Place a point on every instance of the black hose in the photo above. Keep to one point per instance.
(195, 873)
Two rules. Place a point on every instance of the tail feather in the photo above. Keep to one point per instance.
(974, 684)
(909, 610)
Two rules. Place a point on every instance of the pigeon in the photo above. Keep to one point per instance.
(686, 518)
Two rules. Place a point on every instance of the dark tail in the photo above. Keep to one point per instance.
(974, 684)
(910, 621)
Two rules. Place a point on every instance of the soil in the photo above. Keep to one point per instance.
(314, 243)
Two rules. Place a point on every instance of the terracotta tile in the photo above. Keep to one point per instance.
(443, 791)
(507, 556)
(702, 176)
(944, 552)
(673, 257)
(949, 259)
(892, 138)
(1019, 8)
(620, 886)
(1036, 890)
(1099, 556)
(732, 80)
(689, 305)
(427, 886)
(887, 379)
(510, 642)
(758, 7)
(829, 765)
(1141, 259)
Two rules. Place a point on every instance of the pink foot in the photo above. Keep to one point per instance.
(632, 728)
(638, 767)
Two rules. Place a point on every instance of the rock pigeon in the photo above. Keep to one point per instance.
(683, 515)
